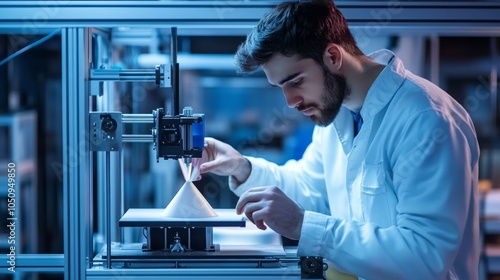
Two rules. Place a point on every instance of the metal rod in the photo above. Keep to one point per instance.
(175, 72)
(165, 241)
(123, 75)
(90, 229)
(137, 118)
(137, 138)
(122, 195)
(173, 44)
(108, 210)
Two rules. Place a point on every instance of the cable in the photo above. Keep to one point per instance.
(28, 47)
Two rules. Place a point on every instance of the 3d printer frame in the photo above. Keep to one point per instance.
(80, 20)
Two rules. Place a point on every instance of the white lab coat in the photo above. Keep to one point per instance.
(399, 201)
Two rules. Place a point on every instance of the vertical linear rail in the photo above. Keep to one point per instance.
(76, 152)
(90, 207)
(108, 209)
(122, 195)
(67, 217)
(175, 72)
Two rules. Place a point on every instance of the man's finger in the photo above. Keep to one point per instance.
(249, 217)
(251, 207)
(257, 189)
(209, 166)
(260, 225)
(259, 218)
(245, 198)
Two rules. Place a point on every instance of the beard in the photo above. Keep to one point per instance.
(334, 93)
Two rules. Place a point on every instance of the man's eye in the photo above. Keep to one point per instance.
(297, 82)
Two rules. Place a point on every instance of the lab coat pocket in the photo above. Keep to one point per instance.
(373, 194)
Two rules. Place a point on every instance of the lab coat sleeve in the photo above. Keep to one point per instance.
(302, 180)
(434, 174)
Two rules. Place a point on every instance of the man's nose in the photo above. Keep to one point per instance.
(292, 99)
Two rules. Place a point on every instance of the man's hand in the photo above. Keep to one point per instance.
(222, 159)
(271, 206)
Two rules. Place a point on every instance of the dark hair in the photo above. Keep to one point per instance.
(299, 27)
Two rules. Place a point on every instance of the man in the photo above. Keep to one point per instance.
(387, 188)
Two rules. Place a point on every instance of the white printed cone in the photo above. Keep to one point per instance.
(188, 203)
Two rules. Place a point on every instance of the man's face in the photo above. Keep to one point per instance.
(309, 87)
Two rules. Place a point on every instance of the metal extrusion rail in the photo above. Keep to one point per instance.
(370, 18)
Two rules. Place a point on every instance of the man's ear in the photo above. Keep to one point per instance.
(332, 58)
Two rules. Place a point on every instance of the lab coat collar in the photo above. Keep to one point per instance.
(380, 93)
(345, 131)
(385, 85)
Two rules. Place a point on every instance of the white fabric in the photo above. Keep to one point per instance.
(399, 201)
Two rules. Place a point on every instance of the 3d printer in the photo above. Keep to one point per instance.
(191, 243)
